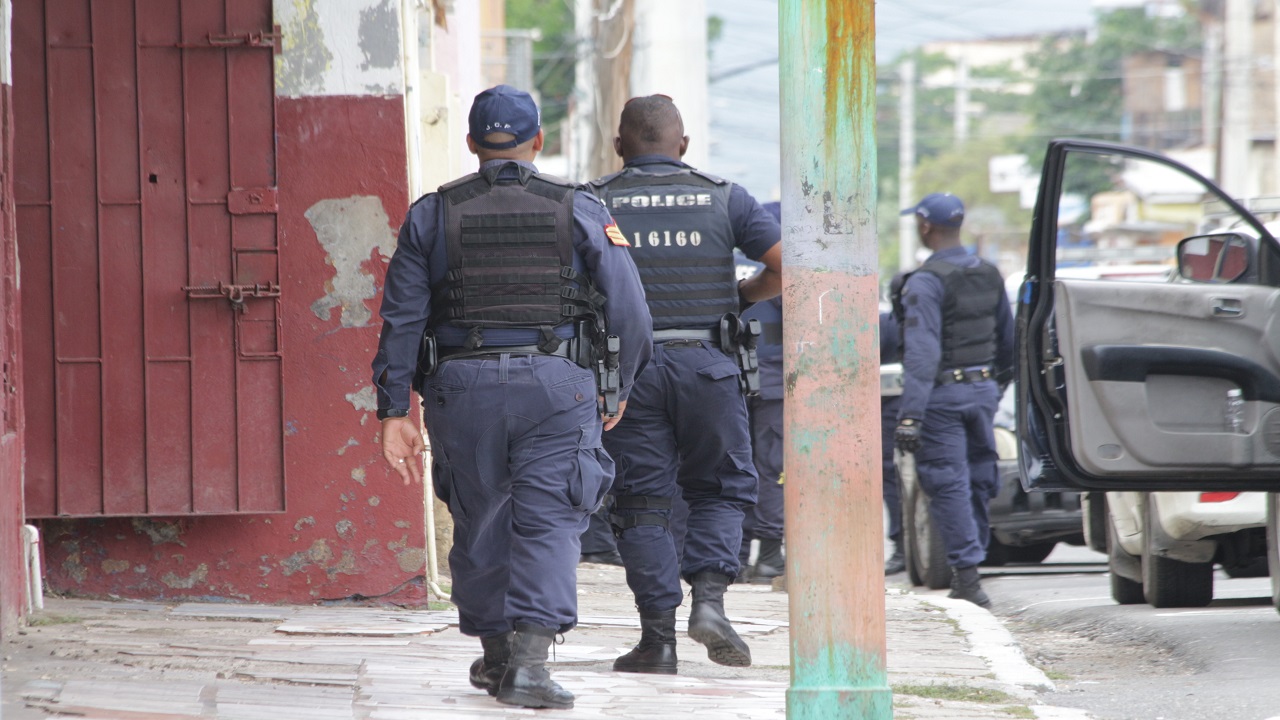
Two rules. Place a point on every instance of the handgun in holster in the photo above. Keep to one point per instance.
(739, 339)
(427, 360)
(608, 377)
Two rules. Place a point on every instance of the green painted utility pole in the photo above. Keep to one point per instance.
(835, 546)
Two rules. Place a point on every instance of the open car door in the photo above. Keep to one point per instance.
(1148, 330)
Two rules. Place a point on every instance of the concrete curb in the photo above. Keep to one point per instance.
(990, 641)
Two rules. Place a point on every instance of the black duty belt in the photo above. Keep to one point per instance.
(455, 353)
(678, 337)
(967, 375)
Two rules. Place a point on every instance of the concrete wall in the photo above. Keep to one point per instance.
(349, 528)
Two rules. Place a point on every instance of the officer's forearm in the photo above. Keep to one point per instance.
(762, 286)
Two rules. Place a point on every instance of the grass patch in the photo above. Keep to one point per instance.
(51, 619)
(963, 693)
(439, 605)
(1056, 675)
(1019, 711)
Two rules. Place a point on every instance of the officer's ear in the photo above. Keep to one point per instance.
(471, 145)
(617, 145)
(537, 141)
(684, 145)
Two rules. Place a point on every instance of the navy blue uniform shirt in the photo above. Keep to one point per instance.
(420, 261)
(769, 313)
(754, 229)
(922, 331)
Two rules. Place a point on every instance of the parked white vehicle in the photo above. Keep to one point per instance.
(1162, 546)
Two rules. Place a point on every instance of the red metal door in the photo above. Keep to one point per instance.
(147, 229)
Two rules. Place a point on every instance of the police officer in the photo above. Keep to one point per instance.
(891, 352)
(764, 521)
(513, 273)
(686, 426)
(958, 350)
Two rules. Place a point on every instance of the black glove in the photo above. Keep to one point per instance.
(907, 436)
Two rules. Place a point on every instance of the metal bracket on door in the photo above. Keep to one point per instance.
(253, 39)
(234, 293)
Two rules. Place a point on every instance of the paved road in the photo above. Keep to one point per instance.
(1138, 662)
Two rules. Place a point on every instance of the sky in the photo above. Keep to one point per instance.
(744, 106)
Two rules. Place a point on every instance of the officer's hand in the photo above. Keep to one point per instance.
(907, 436)
(609, 422)
(402, 447)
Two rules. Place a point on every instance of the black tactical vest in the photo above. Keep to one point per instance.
(681, 239)
(510, 247)
(970, 301)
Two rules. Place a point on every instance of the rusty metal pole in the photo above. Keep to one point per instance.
(835, 547)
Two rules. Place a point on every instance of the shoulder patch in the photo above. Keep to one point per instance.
(615, 235)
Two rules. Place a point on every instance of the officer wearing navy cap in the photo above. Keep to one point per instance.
(957, 353)
(518, 280)
(686, 428)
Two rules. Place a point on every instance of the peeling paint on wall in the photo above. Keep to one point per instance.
(177, 582)
(305, 58)
(349, 229)
(111, 567)
(159, 531)
(324, 41)
(345, 529)
(366, 399)
(358, 474)
(412, 559)
(379, 36)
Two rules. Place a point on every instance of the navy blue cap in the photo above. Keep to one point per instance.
(503, 109)
(940, 209)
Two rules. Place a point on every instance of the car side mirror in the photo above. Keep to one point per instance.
(1218, 258)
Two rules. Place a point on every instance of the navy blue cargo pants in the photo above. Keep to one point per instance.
(764, 521)
(516, 455)
(956, 466)
(684, 431)
(889, 479)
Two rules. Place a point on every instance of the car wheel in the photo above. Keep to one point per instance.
(1273, 545)
(1031, 553)
(1255, 568)
(1095, 521)
(1123, 590)
(925, 554)
(1170, 583)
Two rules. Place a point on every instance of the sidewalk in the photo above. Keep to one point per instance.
(147, 661)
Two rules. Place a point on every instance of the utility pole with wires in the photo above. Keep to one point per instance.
(605, 29)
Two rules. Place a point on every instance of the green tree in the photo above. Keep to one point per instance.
(554, 58)
(1079, 79)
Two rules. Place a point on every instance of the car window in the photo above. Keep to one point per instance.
(1121, 217)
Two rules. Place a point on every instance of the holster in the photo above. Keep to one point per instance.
(608, 378)
(739, 339)
(600, 355)
(427, 360)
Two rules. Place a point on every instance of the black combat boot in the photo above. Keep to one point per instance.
(708, 624)
(656, 652)
(770, 563)
(527, 682)
(487, 672)
(966, 585)
(896, 562)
